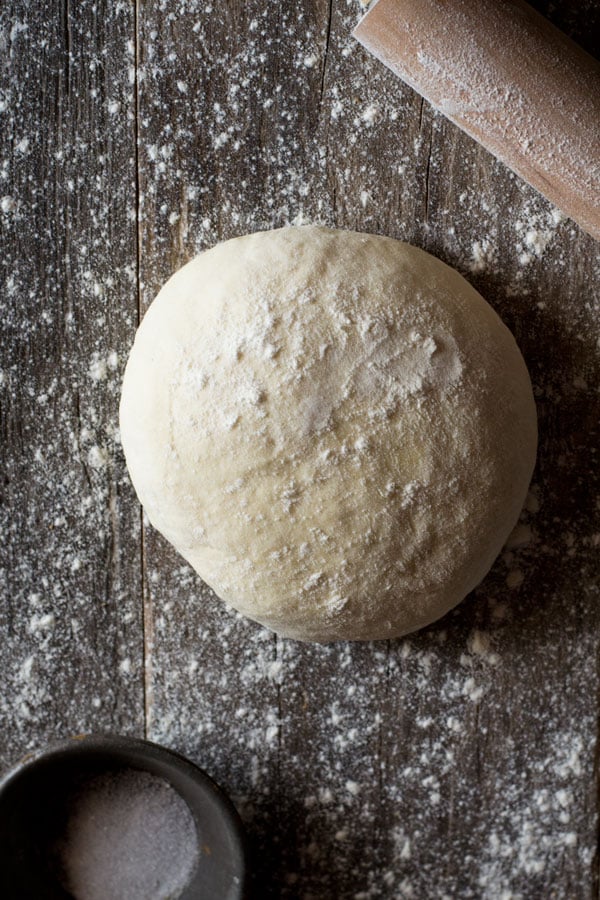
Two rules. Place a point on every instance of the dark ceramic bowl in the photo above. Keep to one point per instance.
(33, 811)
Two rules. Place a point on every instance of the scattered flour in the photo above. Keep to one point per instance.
(465, 736)
(535, 231)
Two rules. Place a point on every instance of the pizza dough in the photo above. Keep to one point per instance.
(334, 429)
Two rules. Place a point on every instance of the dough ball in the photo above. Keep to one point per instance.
(334, 429)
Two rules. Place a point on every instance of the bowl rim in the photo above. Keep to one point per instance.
(132, 751)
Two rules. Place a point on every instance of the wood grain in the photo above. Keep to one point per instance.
(70, 651)
(458, 763)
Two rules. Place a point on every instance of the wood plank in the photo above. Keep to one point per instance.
(71, 629)
(458, 762)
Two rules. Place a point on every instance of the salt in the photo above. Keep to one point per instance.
(128, 836)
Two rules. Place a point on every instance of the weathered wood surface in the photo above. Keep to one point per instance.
(459, 763)
(70, 617)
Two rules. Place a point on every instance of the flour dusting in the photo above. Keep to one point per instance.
(458, 762)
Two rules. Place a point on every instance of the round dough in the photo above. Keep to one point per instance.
(334, 429)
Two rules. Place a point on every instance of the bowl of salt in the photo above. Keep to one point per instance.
(102, 817)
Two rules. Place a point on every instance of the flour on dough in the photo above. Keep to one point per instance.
(334, 429)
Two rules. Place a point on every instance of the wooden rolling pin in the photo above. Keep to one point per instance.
(501, 72)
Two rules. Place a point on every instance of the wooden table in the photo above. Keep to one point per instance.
(458, 763)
